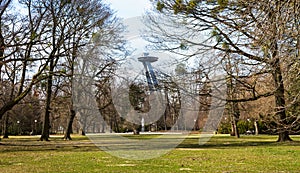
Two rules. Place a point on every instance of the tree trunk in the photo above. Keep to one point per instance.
(256, 127)
(116, 124)
(83, 131)
(283, 134)
(46, 122)
(2, 47)
(6, 125)
(237, 133)
(234, 129)
(234, 111)
(46, 125)
(103, 127)
(1, 56)
(69, 130)
(232, 133)
(236, 116)
(136, 131)
(168, 109)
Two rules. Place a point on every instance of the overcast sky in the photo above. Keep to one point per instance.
(129, 8)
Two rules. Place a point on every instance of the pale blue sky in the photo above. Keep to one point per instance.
(129, 8)
(131, 11)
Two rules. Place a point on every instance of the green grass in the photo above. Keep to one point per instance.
(220, 154)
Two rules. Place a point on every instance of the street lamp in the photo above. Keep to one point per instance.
(143, 124)
(194, 124)
(248, 130)
(35, 131)
(18, 124)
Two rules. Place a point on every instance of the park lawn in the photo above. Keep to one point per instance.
(220, 154)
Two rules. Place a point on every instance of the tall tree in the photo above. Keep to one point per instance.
(10, 90)
(258, 35)
(20, 51)
(71, 26)
(97, 28)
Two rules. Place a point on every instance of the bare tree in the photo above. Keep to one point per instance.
(257, 35)
(70, 26)
(19, 52)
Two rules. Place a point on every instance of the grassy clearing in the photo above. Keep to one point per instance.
(220, 154)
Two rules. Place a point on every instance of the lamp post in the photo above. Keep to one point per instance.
(18, 124)
(35, 131)
(143, 124)
(248, 130)
(194, 124)
(249, 121)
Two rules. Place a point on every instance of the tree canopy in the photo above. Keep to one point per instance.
(260, 37)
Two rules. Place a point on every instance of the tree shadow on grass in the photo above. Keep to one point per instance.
(55, 144)
(231, 142)
(85, 145)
